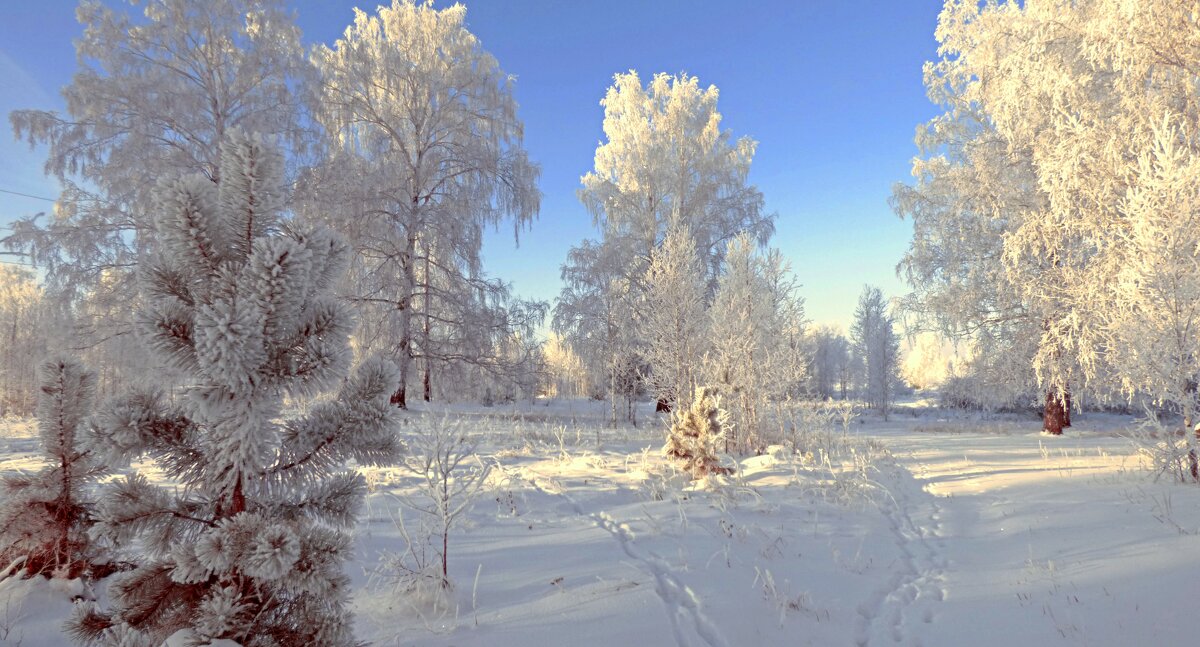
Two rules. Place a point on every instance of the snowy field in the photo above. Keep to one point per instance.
(925, 530)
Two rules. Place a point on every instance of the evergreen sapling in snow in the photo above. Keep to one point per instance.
(249, 546)
(696, 433)
(44, 516)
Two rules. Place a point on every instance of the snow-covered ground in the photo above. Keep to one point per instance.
(918, 531)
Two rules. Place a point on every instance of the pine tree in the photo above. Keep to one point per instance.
(44, 517)
(696, 433)
(249, 547)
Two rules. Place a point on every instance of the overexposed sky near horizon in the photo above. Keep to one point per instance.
(832, 92)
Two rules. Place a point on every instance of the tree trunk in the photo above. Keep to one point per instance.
(445, 557)
(1067, 408)
(427, 381)
(1054, 415)
(239, 498)
(612, 395)
(404, 322)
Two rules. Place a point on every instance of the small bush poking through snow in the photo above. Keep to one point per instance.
(696, 433)
(443, 457)
(1168, 451)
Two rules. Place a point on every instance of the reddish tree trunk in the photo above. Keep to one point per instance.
(398, 398)
(239, 499)
(1054, 416)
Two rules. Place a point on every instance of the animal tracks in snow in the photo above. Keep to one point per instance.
(683, 607)
(915, 586)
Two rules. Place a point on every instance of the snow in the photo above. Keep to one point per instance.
(965, 531)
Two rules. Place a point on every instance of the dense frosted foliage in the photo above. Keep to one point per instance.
(665, 159)
(1053, 198)
(425, 152)
(44, 516)
(250, 545)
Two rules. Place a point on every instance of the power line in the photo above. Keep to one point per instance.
(26, 195)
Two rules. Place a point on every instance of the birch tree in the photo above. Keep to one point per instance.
(756, 324)
(875, 343)
(595, 313)
(675, 323)
(1081, 94)
(425, 153)
(25, 321)
(664, 161)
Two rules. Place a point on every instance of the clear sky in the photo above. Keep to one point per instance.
(831, 90)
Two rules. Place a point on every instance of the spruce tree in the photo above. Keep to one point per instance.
(249, 545)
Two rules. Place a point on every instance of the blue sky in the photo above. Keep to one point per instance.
(831, 90)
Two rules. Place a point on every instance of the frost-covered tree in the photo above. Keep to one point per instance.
(442, 456)
(973, 193)
(831, 354)
(665, 161)
(739, 347)
(249, 544)
(785, 327)
(1154, 320)
(153, 95)
(425, 153)
(756, 337)
(1074, 96)
(875, 342)
(45, 516)
(25, 321)
(596, 313)
(675, 322)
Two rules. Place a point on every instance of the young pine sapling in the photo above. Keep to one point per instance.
(249, 545)
(44, 517)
